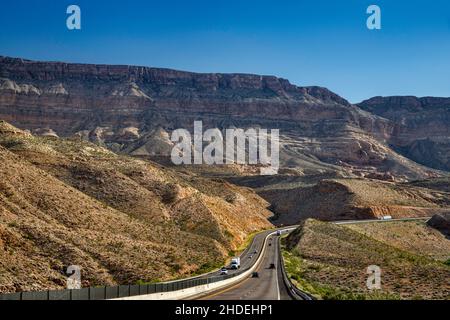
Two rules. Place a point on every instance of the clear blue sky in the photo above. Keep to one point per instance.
(315, 42)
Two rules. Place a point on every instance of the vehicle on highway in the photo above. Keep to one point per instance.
(223, 271)
(272, 266)
(255, 274)
(236, 263)
(255, 252)
(279, 233)
(385, 218)
(250, 256)
(270, 244)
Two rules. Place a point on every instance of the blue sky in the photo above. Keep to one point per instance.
(320, 42)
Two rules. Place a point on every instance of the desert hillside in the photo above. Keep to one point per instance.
(337, 199)
(69, 202)
(330, 261)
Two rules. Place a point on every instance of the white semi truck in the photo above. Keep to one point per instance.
(236, 263)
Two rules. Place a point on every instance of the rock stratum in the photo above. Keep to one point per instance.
(421, 127)
(133, 110)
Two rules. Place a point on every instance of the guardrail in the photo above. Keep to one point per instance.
(125, 291)
(293, 291)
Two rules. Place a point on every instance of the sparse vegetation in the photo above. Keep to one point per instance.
(208, 267)
(11, 143)
(330, 262)
(65, 202)
(170, 193)
(411, 236)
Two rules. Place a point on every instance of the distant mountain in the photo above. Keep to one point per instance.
(421, 127)
(133, 109)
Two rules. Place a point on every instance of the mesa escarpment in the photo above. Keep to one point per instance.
(132, 109)
(123, 220)
(331, 261)
(421, 127)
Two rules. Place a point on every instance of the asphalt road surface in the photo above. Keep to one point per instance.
(248, 256)
(268, 285)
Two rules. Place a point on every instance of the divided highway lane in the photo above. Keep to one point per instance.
(269, 284)
(248, 256)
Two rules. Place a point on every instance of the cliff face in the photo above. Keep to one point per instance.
(132, 109)
(421, 127)
(107, 93)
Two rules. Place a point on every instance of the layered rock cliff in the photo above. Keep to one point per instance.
(421, 127)
(133, 109)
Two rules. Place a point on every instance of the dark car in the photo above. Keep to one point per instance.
(272, 266)
(270, 244)
(255, 274)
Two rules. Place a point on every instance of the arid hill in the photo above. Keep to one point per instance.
(69, 202)
(331, 261)
(340, 199)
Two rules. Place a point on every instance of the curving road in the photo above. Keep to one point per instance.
(248, 256)
(268, 286)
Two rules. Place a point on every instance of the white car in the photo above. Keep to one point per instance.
(223, 271)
